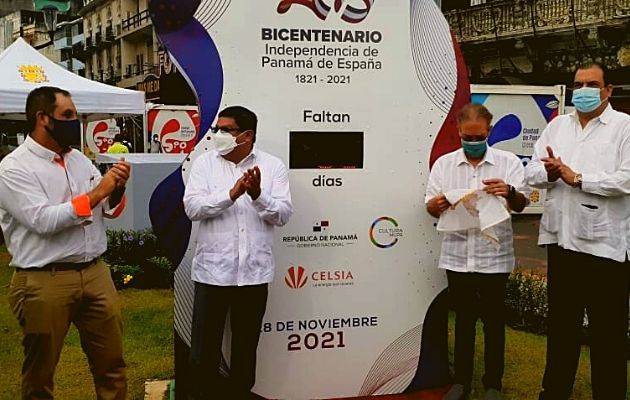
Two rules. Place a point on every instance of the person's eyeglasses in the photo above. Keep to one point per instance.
(215, 129)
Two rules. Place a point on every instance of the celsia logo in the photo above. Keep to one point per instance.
(351, 12)
(296, 277)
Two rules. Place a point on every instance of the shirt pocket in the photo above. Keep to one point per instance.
(552, 215)
(216, 254)
(261, 257)
(590, 220)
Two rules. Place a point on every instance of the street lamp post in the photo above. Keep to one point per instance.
(51, 8)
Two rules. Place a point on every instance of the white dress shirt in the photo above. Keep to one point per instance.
(38, 211)
(469, 251)
(595, 218)
(235, 239)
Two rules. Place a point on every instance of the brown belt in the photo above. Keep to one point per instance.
(62, 266)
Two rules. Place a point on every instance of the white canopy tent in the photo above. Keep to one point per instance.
(22, 69)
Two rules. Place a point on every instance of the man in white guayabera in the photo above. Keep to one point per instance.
(238, 194)
(477, 266)
(583, 160)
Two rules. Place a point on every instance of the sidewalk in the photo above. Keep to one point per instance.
(157, 390)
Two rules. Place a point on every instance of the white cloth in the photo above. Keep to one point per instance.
(469, 251)
(474, 209)
(594, 219)
(235, 239)
(36, 213)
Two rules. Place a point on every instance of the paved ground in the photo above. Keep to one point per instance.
(156, 390)
(528, 254)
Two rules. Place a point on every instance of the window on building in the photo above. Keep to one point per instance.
(140, 63)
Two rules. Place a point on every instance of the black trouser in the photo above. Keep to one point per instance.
(476, 295)
(247, 306)
(575, 282)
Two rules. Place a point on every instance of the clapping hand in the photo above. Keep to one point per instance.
(252, 180)
(553, 165)
(248, 183)
(557, 169)
(120, 171)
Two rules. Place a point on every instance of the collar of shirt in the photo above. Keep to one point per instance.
(487, 158)
(42, 152)
(39, 150)
(604, 117)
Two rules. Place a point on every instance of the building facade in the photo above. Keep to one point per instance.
(28, 24)
(120, 43)
(541, 42)
(67, 46)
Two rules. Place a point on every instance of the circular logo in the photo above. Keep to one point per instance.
(383, 236)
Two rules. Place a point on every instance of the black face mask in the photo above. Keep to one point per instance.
(67, 133)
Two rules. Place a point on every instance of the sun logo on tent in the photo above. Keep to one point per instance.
(33, 73)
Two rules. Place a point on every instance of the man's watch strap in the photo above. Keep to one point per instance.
(577, 181)
(511, 192)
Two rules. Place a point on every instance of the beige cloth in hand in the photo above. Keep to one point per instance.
(473, 209)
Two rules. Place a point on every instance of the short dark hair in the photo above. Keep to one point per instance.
(119, 137)
(42, 99)
(472, 111)
(592, 64)
(244, 118)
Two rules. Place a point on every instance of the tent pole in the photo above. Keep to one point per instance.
(146, 142)
(83, 132)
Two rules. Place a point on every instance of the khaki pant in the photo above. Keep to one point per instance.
(45, 303)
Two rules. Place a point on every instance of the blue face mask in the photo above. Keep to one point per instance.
(475, 149)
(586, 99)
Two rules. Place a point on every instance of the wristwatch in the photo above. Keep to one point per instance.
(511, 192)
(577, 181)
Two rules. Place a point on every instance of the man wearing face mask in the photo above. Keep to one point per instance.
(583, 160)
(52, 205)
(238, 194)
(477, 269)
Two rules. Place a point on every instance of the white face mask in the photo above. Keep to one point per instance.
(224, 143)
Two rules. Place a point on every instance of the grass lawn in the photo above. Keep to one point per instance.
(524, 366)
(148, 341)
(148, 335)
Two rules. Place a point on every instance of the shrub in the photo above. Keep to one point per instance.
(136, 261)
(124, 274)
(526, 302)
